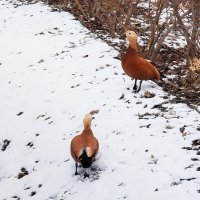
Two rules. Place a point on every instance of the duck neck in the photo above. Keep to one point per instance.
(87, 131)
(132, 50)
(133, 44)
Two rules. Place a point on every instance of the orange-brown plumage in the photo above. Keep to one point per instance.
(135, 66)
(84, 147)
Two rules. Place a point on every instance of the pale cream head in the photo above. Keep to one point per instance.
(131, 35)
(132, 39)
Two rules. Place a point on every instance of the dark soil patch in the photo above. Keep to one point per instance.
(23, 173)
(5, 144)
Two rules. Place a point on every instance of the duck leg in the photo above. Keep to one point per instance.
(135, 85)
(139, 87)
(76, 166)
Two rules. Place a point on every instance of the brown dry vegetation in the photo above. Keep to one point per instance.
(161, 24)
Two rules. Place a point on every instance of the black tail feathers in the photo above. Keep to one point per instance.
(85, 160)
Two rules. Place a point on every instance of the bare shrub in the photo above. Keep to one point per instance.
(156, 21)
(189, 27)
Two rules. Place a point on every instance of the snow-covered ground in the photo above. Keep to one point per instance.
(52, 72)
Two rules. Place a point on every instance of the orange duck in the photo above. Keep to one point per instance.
(135, 66)
(84, 147)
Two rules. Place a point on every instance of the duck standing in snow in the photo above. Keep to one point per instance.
(135, 66)
(84, 147)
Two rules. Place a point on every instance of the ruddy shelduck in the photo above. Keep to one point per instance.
(84, 147)
(135, 66)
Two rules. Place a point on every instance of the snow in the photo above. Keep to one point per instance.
(52, 72)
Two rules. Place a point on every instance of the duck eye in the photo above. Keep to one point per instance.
(129, 33)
